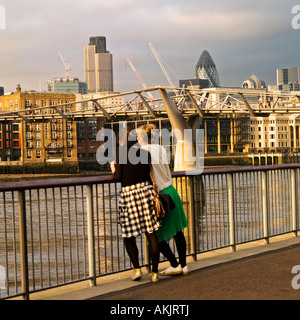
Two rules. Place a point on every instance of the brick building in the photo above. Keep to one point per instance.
(39, 141)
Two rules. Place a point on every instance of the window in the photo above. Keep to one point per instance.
(38, 154)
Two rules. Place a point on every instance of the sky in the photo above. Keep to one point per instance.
(243, 38)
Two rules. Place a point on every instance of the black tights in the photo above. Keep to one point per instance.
(133, 251)
(165, 249)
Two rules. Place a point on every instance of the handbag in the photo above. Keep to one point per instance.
(162, 202)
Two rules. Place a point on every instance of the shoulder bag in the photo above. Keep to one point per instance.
(162, 202)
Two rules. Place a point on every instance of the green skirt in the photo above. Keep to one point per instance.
(175, 220)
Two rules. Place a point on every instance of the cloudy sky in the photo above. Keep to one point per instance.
(243, 38)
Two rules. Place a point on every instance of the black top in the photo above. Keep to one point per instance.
(132, 164)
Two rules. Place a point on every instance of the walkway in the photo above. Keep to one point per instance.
(262, 272)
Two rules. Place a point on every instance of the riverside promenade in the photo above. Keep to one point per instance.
(259, 272)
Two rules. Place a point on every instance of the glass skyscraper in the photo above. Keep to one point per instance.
(206, 69)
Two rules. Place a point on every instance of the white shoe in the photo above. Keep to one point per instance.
(137, 275)
(185, 270)
(170, 271)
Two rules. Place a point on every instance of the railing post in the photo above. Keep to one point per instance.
(91, 234)
(23, 245)
(192, 217)
(294, 200)
(264, 184)
(231, 211)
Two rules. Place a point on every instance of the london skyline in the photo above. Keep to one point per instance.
(243, 39)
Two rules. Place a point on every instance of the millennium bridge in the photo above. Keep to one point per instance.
(209, 101)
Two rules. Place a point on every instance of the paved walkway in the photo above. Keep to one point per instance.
(261, 273)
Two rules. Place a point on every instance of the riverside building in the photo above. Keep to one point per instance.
(39, 141)
(88, 128)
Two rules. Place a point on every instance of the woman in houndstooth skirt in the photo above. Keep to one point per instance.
(135, 204)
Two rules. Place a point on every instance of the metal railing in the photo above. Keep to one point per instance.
(56, 232)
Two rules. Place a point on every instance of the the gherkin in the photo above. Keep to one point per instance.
(206, 69)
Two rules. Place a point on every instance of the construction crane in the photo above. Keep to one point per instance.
(138, 76)
(162, 66)
(67, 66)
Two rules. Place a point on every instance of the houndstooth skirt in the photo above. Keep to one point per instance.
(136, 214)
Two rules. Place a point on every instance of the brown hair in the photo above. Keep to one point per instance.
(147, 132)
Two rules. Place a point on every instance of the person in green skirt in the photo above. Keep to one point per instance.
(173, 224)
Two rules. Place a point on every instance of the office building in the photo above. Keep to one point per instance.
(288, 79)
(98, 66)
(194, 84)
(67, 85)
(206, 69)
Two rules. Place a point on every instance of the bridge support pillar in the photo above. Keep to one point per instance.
(185, 147)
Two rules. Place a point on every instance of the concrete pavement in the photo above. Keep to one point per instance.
(261, 272)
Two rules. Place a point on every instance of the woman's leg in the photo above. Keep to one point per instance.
(165, 249)
(153, 250)
(132, 251)
(181, 247)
